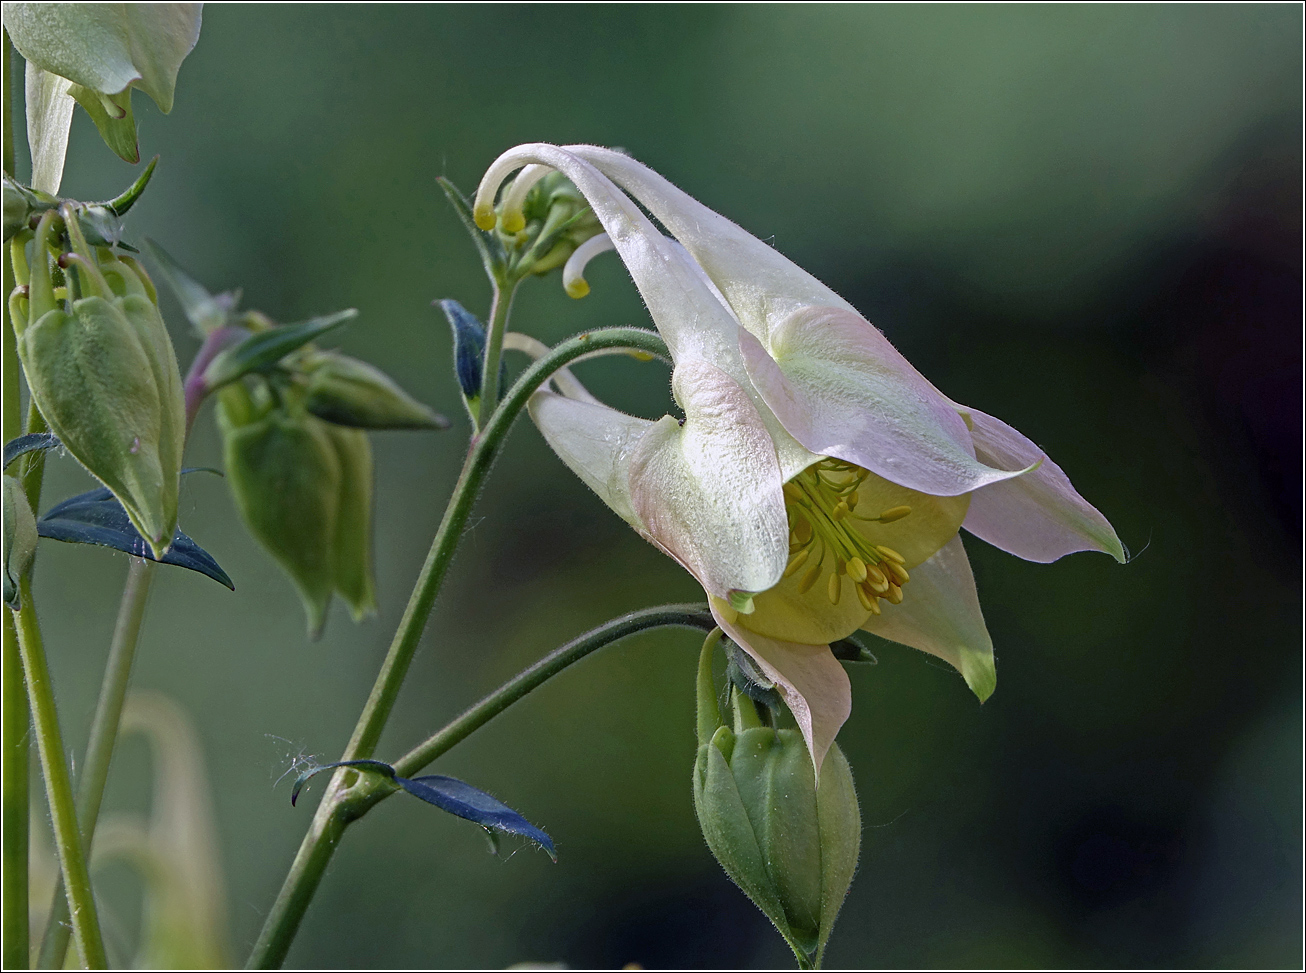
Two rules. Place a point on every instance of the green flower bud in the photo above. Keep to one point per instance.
(790, 844)
(349, 392)
(20, 539)
(103, 372)
(353, 536)
(285, 473)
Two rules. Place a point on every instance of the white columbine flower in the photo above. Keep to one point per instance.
(818, 481)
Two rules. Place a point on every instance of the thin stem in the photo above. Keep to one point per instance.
(331, 820)
(99, 750)
(306, 871)
(15, 741)
(58, 789)
(500, 307)
(687, 616)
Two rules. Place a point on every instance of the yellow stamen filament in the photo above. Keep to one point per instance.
(810, 578)
(820, 503)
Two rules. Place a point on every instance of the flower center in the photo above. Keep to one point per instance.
(822, 503)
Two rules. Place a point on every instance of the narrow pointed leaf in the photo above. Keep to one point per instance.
(95, 517)
(452, 795)
(122, 203)
(491, 251)
(27, 444)
(265, 349)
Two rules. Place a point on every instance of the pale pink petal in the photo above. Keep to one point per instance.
(811, 680)
(596, 442)
(709, 490)
(1038, 516)
(940, 614)
(761, 284)
(840, 389)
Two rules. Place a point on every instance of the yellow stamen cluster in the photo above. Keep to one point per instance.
(822, 503)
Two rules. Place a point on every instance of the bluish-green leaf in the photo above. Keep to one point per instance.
(95, 517)
(464, 800)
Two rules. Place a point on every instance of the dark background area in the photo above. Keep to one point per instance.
(1084, 220)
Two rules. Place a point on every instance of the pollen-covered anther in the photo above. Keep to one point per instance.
(894, 596)
(890, 554)
(857, 569)
(867, 598)
(797, 561)
(835, 587)
(894, 513)
(899, 573)
(810, 578)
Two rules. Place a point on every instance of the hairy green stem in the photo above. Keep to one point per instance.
(315, 850)
(99, 750)
(15, 742)
(500, 308)
(58, 788)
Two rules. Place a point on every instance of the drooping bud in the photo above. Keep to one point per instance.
(284, 471)
(20, 539)
(101, 368)
(352, 548)
(349, 392)
(790, 844)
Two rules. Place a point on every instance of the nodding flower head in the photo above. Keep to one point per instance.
(817, 483)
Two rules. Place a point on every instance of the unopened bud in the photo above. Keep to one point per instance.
(790, 844)
(349, 392)
(20, 539)
(103, 373)
(284, 472)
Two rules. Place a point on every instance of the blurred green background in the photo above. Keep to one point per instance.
(1085, 220)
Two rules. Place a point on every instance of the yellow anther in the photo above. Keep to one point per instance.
(797, 561)
(836, 588)
(857, 570)
(895, 595)
(865, 597)
(874, 575)
(840, 566)
(840, 511)
(792, 491)
(898, 572)
(513, 222)
(802, 530)
(894, 513)
(891, 554)
(852, 500)
(875, 606)
(809, 579)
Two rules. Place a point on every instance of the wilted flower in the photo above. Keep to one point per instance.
(817, 482)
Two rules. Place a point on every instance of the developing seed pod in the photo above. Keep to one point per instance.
(349, 392)
(352, 548)
(790, 844)
(103, 373)
(20, 539)
(284, 472)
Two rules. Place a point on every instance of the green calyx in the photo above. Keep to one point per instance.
(789, 843)
(102, 370)
(19, 540)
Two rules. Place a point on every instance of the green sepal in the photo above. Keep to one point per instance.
(263, 350)
(349, 392)
(19, 540)
(112, 115)
(493, 256)
(352, 548)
